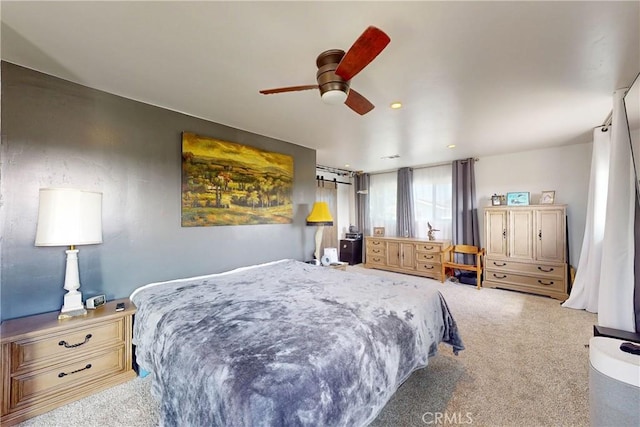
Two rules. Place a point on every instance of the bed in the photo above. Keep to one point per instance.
(285, 344)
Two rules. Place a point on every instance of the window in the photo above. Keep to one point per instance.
(432, 190)
(382, 201)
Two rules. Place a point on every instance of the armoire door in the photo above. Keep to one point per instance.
(520, 234)
(496, 233)
(549, 234)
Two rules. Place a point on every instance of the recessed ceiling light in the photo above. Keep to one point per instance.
(347, 165)
(396, 105)
(451, 146)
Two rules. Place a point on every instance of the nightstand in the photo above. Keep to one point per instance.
(47, 362)
(351, 251)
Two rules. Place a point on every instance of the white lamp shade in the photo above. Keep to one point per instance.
(69, 217)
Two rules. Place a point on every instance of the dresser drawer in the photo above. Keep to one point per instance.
(375, 243)
(433, 257)
(538, 269)
(428, 247)
(376, 259)
(430, 270)
(65, 345)
(55, 380)
(376, 251)
(530, 282)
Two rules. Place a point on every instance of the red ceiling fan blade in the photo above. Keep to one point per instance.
(358, 103)
(288, 89)
(364, 50)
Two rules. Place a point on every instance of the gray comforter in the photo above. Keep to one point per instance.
(285, 344)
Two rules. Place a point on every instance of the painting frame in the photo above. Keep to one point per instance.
(378, 231)
(518, 198)
(227, 183)
(547, 197)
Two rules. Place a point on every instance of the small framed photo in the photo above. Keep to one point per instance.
(495, 200)
(378, 231)
(547, 197)
(520, 198)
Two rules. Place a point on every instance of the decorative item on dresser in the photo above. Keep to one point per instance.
(48, 362)
(405, 255)
(526, 249)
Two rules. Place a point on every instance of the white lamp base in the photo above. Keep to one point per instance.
(319, 231)
(73, 298)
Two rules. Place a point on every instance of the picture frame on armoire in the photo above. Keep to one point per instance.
(520, 198)
(547, 197)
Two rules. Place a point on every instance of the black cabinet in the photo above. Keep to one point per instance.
(351, 251)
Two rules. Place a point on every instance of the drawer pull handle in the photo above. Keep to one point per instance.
(375, 243)
(64, 374)
(428, 267)
(377, 251)
(67, 345)
(502, 276)
(428, 248)
(543, 283)
(501, 265)
(546, 271)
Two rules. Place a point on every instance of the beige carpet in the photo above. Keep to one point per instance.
(525, 364)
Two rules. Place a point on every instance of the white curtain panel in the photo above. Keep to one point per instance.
(382, 201)
(615, 303)
(432, 200)
(586, 287)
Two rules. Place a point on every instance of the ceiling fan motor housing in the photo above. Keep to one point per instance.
(328, 80)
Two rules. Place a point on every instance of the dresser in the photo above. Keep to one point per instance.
(526, 249)
(48, 362)
(419, 257)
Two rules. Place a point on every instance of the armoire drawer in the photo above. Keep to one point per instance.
(537, 269)
(532, 282)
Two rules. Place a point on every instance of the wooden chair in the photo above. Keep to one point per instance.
(448, 259)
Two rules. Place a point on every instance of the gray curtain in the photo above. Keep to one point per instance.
(465, 229)
(361, 189)
(404, 207)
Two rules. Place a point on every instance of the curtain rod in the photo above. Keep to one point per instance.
(421, 166)
(337, 171)
(334, 180)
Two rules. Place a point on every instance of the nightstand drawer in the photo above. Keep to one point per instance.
(66, 345)
(38, 385)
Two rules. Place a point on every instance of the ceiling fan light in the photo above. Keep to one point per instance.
(334, 97)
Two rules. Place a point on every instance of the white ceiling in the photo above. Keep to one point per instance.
(489, 77)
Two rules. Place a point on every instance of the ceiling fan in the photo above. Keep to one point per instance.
(336, 69)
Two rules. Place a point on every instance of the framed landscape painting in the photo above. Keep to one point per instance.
(225, 183)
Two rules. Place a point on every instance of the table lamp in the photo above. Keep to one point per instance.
(319, 216)
(70, 217)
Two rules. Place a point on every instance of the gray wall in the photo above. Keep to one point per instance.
(59, 134)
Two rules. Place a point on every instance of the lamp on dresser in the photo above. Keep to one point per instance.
(319, 216)
(70, 217)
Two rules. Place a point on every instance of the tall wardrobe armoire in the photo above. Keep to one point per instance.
(526, 249)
